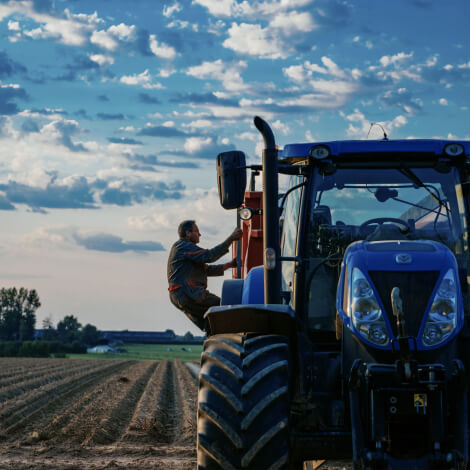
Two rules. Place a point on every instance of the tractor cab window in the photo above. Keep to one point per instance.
(290, 220)
(376, 204)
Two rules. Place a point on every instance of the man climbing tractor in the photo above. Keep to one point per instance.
(188, 271)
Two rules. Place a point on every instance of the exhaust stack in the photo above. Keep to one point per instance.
(271, 249)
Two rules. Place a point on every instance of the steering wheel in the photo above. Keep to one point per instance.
(382, 220)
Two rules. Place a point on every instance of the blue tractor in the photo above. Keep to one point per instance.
(351, 339)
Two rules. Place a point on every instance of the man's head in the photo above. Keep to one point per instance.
(188, 230)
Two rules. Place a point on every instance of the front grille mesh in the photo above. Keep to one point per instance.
(415, 290)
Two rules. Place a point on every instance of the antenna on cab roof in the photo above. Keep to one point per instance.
(372, 124)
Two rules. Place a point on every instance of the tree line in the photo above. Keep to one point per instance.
(18, 323)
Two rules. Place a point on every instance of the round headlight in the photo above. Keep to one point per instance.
(320, 152)
(454, 150)
(245, 213)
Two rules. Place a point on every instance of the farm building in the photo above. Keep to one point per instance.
(101, 349)
(127, 336)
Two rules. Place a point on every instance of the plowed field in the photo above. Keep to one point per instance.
(93, 414)
(66, 414)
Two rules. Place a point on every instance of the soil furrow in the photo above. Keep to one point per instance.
(144, 418)
(19, 388)
(82, 425)
(113, 426)
(187, 390)
(167, 414)
(61, 421)
(49, 398)
(19, 377)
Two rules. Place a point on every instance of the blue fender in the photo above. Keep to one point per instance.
(253, 287)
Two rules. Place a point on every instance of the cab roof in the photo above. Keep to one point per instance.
(351, 147)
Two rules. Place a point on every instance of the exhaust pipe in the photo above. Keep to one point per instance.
(271, 249)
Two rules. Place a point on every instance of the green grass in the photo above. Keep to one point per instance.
(145, 352)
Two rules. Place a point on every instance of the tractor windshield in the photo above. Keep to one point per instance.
(377, 204)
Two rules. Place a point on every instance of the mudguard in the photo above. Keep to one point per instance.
(253, 318)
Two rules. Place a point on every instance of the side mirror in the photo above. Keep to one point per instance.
(231, 178)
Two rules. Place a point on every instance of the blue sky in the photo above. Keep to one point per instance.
(112, 114)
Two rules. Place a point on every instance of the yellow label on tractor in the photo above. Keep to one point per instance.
(420, 403)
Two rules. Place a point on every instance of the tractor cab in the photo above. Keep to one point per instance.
(400, 191)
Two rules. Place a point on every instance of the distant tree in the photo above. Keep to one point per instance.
(188, 336)
(90, 335)
(49, 333)
(68, 329)
(18, 313)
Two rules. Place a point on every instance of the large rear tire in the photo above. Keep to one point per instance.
(243, 403)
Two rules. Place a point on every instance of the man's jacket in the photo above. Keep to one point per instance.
(188, 268)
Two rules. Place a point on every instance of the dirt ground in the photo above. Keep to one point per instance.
(64, 414)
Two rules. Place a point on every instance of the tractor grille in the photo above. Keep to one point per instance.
(415, 290)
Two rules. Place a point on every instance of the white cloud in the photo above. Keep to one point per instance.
(104, 40)
(196, 144)
(199, 124)
(169, 10)
(432, 61)
(253, 136)
(366, 129)
(253, 40)
(13, 26)
(109, 39)
(166, 72)
(256, 9)
(332, 68)
(293, 22)
(227, 73)
(102, 59)
(332, 89)
(70, 29)
(199, 204)
(182, 25)
(161, 50)
(122, 31)
(284, 129)
(302, 73)
(143, 79)
(296, 73)
(400, 57)
(443, 102)
(218, 7)
(217, 28)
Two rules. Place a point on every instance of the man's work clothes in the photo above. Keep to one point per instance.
(187, 278)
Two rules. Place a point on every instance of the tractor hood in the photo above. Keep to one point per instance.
(399, 255)
(426, 274)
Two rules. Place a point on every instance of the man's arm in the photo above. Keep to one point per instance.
(193, 253)
(218, 269)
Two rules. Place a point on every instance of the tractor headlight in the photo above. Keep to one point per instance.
(365, 311)
(442, 318)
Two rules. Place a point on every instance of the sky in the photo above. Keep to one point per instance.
(112, 114)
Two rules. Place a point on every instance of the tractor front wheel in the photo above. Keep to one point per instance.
(243, 403)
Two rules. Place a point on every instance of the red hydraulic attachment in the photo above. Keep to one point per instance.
(252, 239)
